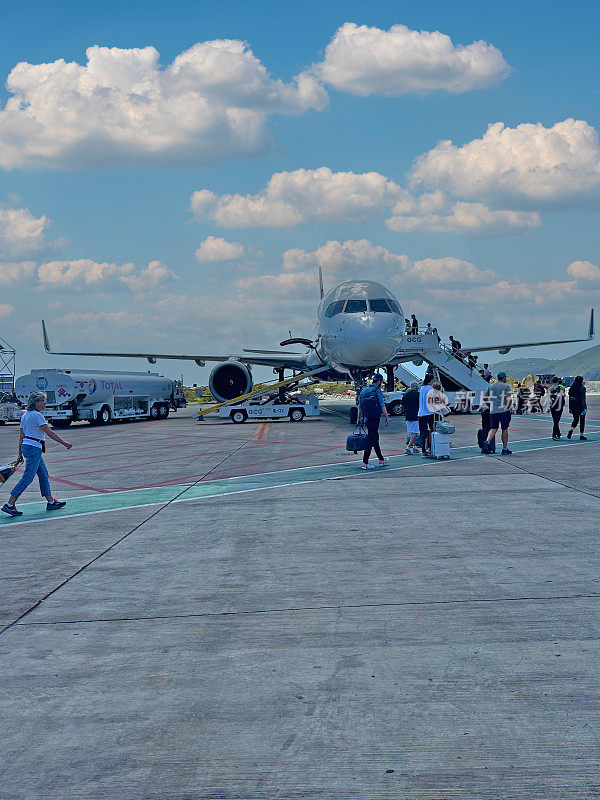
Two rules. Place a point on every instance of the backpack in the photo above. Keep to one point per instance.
(370, 403)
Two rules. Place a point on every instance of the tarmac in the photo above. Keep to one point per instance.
(237, 612)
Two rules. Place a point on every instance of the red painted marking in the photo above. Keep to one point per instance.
(75, 485)
(262, 432)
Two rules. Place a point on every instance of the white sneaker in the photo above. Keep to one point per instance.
(409, 451)
(367, 466)
(384, 462)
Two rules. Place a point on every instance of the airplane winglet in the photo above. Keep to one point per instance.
(591, 330)
(46, 339)
(321, 292)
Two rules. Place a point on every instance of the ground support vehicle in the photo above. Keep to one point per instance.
(293, 407)
(9, 410)
(101, 397)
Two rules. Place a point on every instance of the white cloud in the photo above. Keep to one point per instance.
(366, 61)
(435, 213)
(13, 272)
(85, 272)
(584, 271)
(94, 319)
(535, 293)
(155, 274)
(355, 259)
(22, 235)
(5, 310)
(305, 195)
(447, 270)
(212, 103)
(346, 258)
(528, 163)
(214, 249)
(291, 285)
(320, 195)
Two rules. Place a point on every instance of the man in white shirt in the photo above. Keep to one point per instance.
(425, 415)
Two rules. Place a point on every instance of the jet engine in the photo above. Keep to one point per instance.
(229, 380)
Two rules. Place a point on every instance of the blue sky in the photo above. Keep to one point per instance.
(115, 205)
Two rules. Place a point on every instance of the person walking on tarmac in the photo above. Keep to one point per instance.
(32, 444)
(556, 393)
(371, 405)
(410, 405)
(426, 415)
(499, 399)
(577, 407)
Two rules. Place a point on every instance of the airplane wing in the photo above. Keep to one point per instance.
(506, 348)
(266, 358)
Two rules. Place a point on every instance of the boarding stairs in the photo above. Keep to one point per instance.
(455, 375)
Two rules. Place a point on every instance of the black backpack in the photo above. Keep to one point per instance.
(370, 403)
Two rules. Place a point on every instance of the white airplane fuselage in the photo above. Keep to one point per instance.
(359, 325)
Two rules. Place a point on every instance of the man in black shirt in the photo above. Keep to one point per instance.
(415, 325)
(410, 405)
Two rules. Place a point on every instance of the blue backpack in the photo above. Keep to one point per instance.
(370, 403)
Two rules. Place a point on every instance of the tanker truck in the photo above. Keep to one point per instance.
(101, 397)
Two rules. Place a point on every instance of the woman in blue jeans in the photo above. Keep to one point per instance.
(33, 432)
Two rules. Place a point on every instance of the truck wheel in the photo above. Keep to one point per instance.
(395, 408)
(163, 411)
(103, 417)
(154, 412)
(238, 416)
(353, 415)
(296, 414)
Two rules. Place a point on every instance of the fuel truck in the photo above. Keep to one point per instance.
(101, 397)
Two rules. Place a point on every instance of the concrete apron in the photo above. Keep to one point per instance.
(204, 490)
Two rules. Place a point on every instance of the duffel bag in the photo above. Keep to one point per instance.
(444, 427)
(359, 440)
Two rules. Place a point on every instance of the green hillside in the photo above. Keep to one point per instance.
(586, 363)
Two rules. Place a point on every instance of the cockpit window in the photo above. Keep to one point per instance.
(395, 307)
(380, 304)
(355, 306)
(335, 308)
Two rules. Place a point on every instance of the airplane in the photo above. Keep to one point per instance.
(359, 327)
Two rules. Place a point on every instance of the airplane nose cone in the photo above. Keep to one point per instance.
(371, 340)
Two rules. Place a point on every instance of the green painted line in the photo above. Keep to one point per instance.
(138, 498)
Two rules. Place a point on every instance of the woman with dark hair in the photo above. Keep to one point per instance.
(577, 407)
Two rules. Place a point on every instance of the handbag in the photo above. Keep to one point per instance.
(359, 440)
(6, 470)
(444, 427)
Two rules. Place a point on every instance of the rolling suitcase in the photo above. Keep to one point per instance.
(440, 445)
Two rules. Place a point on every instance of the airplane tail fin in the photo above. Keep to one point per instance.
(321, 283)
(591, 329)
